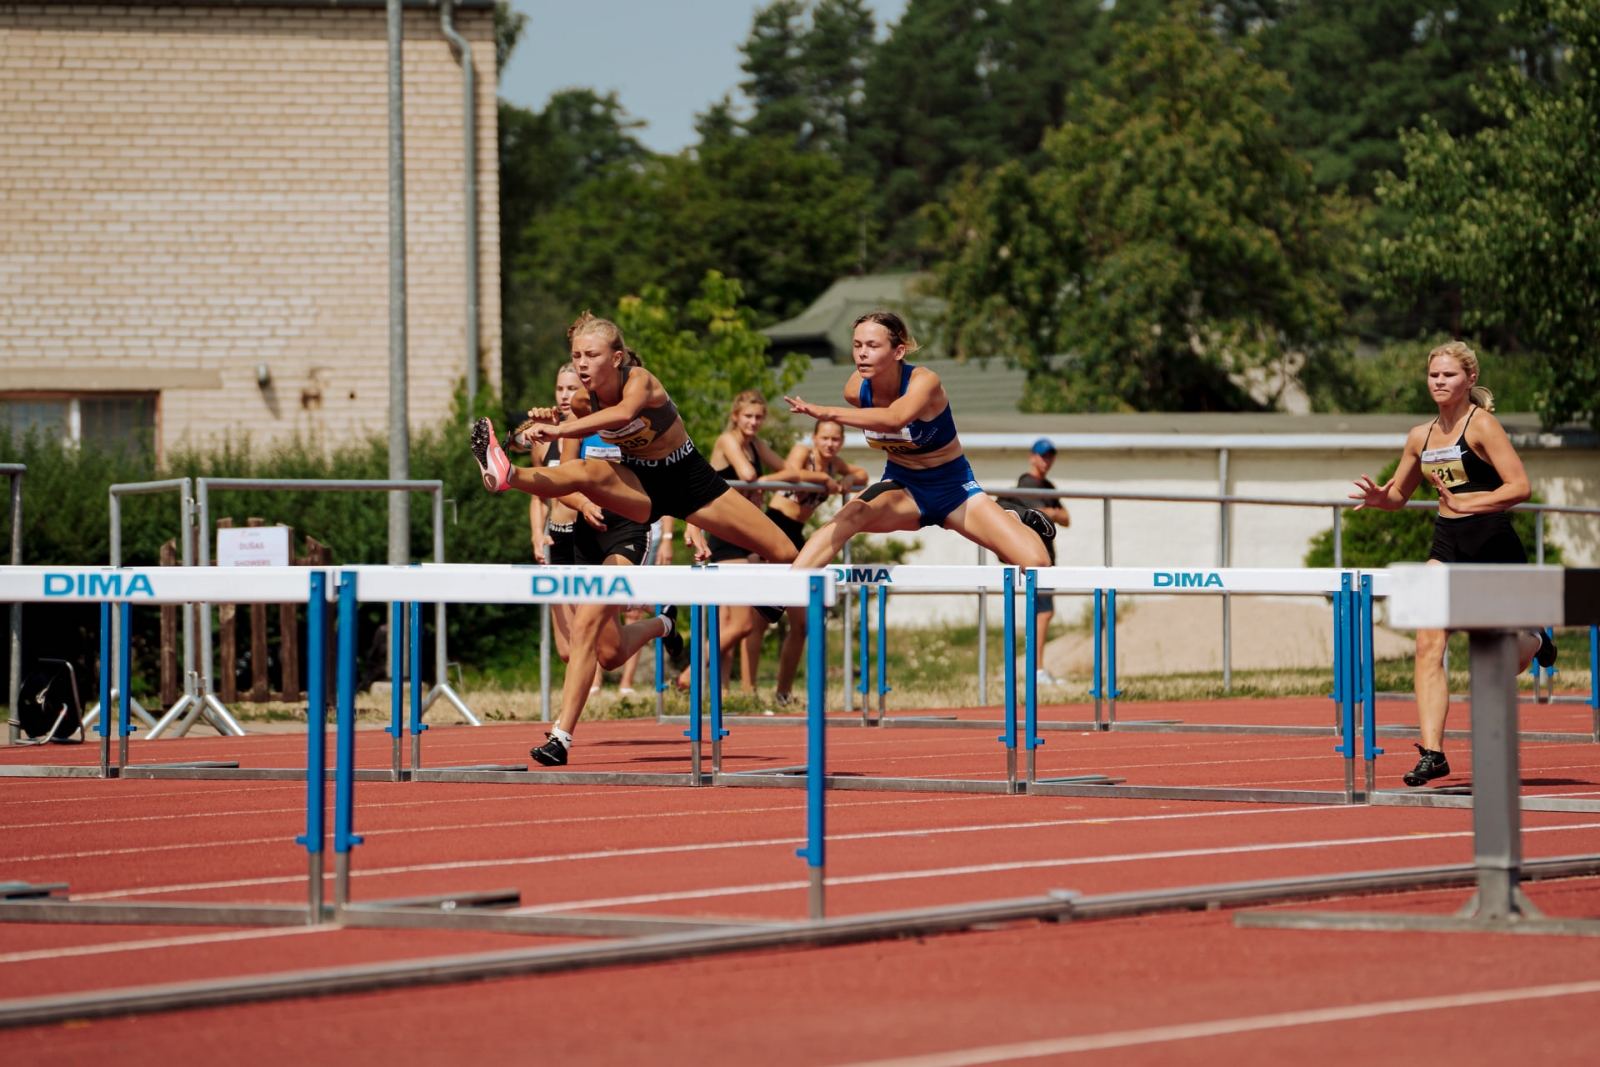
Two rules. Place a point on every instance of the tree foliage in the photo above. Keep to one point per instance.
(805, 61)
(705, 368)
(1511, 214)
(1169, 247)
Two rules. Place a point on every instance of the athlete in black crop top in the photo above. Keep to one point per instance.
(660, 473)
(1467, 456)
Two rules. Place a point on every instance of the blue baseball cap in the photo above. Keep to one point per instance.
(1043, 447)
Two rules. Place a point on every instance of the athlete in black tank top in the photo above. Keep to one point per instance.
(1479, 478)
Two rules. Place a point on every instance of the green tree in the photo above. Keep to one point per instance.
(782, 221)
(1363, 70)
(546, 156)
(705, 368)
(1511, 215)
(806, 61)
(1170, 248)
(962, 83)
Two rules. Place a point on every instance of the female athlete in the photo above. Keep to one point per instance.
(1466, 454)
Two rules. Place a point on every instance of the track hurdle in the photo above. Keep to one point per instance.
(502, 584)
(1495, 605)
(1264, 581)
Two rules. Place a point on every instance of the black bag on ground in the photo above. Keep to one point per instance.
(48, 707)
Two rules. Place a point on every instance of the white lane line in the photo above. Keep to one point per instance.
(657, 850)
(1061, 1046)
(157, 942)
(93, 853)
(993, 868)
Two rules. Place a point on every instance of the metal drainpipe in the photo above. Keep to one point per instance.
(470, 194)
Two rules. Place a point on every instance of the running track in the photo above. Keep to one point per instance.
(1168, 989)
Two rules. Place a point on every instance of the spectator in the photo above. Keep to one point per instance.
(1040, 459)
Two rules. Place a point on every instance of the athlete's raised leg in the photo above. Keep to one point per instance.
(983, 522)
(887, 512)
(607, 484)
(733, 518)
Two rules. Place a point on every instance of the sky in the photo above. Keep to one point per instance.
(666, 59)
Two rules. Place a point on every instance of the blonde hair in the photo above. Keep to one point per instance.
(589, 323)
(749, 396)
(1468, 360)
(899, 332)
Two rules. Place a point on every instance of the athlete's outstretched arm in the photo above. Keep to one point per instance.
(635, 398)
(1393, 494)
(919, 396)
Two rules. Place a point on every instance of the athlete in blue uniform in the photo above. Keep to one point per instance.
(927, 481)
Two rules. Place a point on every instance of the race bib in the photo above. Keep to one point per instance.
(603, 452)
(898, 441)
(1445, 463)
(632, 437)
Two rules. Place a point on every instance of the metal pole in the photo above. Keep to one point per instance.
(1105, 530)
(469, 212)
(1538, 537)
(1338, 538)
(983, 635)
(1496, 784)
(441, 651)
(13, 693)
(202, 494)
(399, 430)
(1222, 561)
(186, 535)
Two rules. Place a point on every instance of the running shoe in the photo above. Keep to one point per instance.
(1040, 523)
(1546, 656)
(492, 459)
(550, 754)
(1432, 765)
(672, 641)
(783, 700)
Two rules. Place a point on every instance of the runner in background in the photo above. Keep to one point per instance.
(791, 509)
(1466, 454)
(1040, 459)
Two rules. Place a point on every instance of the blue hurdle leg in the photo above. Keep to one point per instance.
(1369, 689)
(883, 638)
(714, 669)
(1112, 692)
(1030, 683)
(397, 674)
(816, 741)
(103, 723)
(1097, 690)
(661, 674)
(696, 682)
(863, 674)
(415, 636)
(344, 773)
(1009, 738)
(124, 679)
(1347, 676)
(1594, 679)
(316, 738)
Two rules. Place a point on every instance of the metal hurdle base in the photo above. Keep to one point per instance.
(1100, 786)
(522, 775)
(1461, 797)
(795, 778)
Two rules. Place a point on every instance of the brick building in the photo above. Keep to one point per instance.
(193, 217)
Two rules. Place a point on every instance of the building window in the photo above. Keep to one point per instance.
(119, 422)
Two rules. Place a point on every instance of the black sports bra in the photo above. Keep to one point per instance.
(754, 456)
(1460, 468)
(638, 434)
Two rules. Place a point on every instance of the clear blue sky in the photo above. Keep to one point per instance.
(666, 59)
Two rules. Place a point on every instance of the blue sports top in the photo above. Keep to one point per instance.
(921, 435)
(596, 447)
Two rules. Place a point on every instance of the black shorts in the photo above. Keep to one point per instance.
(621, 537)
(1477, 539)
(559, 554)
(722, 551)
(679, 485)
(793, 529)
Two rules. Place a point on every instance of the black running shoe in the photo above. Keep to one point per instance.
(550, 754)
(672, 642)
(1432, 765)
(773, 615)
(1546, 656)
(1040, 523)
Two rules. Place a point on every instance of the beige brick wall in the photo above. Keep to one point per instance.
(188, 192)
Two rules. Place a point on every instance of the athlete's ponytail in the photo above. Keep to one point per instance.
(1468, 361)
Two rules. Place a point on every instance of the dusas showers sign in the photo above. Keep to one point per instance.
(253, 546)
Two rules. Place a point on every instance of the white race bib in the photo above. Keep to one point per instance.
(1446, 464)
(897, 441)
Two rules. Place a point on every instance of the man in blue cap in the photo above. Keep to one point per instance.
(1031, 510)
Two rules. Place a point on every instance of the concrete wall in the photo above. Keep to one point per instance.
(187, 192)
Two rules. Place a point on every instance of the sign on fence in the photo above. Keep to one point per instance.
(253, 546)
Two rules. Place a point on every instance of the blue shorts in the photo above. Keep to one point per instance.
(937, 491)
